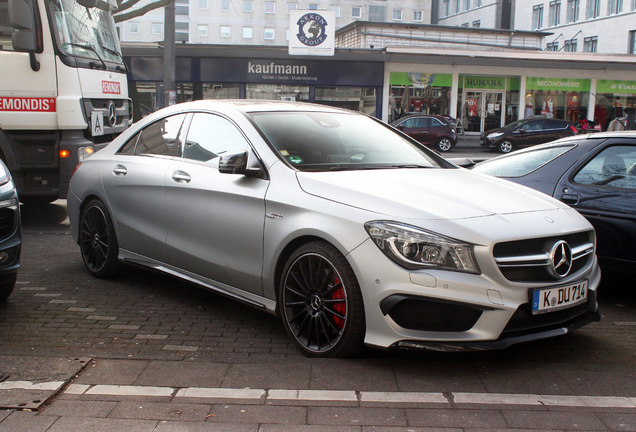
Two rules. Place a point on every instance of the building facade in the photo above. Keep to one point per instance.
(249, 22)
(495, 14)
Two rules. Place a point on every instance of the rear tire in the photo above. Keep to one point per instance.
(505, 146)
(444, 145)
(320, 302)
(97, 240)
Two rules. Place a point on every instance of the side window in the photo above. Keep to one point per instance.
(423, 122)
(534, 125)
(615, 166)
(436, 122)
(555, 124)
(210, 136)
(158, 138)
(5, 27)
(409, 123)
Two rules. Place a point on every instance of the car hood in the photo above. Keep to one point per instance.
(425, 193)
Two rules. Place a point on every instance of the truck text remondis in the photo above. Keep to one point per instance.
(63, 89)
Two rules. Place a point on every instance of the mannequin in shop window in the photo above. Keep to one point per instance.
(548, 107)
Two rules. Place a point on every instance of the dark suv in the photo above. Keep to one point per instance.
(526, 132)
(431, 130)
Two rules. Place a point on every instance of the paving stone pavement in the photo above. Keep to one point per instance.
(167, 356)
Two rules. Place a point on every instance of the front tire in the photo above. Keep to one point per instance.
(7, 284)
(320, 302)
(97, 240)
(505, 146)
(444, 145)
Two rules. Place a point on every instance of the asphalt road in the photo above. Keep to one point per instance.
(145, 352)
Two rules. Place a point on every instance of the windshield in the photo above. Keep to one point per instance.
(318, 141)
(86, 32)
(521, 163)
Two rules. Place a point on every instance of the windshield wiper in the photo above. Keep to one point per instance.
(88, 47)
(112, 51)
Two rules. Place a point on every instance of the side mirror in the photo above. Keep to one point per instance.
(236, 163)
(22, 19)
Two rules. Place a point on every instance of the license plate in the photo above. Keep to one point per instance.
(555, 298)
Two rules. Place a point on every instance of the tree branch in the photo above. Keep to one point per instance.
(119, 17)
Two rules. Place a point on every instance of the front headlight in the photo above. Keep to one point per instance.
(4, 175)
(494, 135)
(416, 249)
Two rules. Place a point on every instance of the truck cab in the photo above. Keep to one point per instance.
(63, 90)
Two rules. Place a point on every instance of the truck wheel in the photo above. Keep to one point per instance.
(320, 302)
(97, 240)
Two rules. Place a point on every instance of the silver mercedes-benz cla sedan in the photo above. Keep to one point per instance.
(350, 231)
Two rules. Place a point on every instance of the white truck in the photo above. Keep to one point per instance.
(63, 90)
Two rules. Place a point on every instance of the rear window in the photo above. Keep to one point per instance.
(521, 163)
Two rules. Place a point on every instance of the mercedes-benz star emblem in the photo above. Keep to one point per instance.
(112, 114)
(560, 259)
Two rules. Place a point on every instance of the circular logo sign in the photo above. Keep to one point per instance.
(560, 259)
(311, 29)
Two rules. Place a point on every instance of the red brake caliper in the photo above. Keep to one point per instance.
(340, 307)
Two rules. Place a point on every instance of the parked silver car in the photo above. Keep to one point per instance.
(348, 230)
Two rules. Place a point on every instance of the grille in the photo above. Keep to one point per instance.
(529, 260)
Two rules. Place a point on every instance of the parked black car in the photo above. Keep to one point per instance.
(10, 235)
(596, 175)
(526, 132)
(431, 130)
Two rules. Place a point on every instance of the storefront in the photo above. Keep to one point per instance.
(423, 92)
(560, 98)
(487, 102)
(353, 85)
(612, 99)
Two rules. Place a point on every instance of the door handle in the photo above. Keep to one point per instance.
(181, 177)
(570, 199)
(120, 170)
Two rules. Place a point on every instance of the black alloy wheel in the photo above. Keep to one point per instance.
(97, 240)
(320, 302)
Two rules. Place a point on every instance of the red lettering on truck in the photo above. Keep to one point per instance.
(20, 104)
(111, 87)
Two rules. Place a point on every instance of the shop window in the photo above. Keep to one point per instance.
(187, 91)
(555, 13)
(356, 12)
(537, 17)
(573, 10)
(590, 44)
(570, 45)
(632, 42)
(418, 16)
(361, 99)
(277, 92)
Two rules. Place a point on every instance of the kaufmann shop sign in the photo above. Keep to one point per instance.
(312, 32)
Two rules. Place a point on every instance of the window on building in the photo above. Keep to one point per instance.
(248, 32)
(377, 13)
(593, 8)
(632, 42)
(466, 25)
(336, 9)
(313, 6)
(457, 6)
(225, 5)
(467, 5)
(270, 34)
(477, 23)
(156, 28)
(590, 44)
(291, 7)
(203, 4)
(614, 7)
(478, 3)
(356, 12)
(202, 30)
(418, 16)
(537, 16)
(248, 6)
(633, 4)
(270, 7)
(569, 45)
(555, 13)
(573, 10)
(133, 27)
(397, 14)
(226, 31)
(552, 46)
